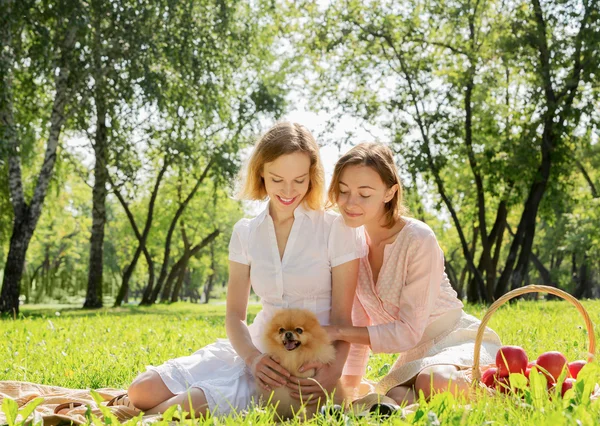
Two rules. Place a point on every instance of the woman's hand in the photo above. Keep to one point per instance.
(269, 374)
(326, 375)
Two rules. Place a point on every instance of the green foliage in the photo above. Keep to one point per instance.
(460, 90)
(182, 84)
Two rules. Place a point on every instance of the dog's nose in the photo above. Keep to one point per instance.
(289, 335)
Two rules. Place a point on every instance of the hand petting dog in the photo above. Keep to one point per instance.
(296, 343)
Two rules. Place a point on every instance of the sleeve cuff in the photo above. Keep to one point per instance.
(238, 258)
(375, 341)
(340, 260)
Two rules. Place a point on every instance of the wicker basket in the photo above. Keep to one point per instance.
(476, 373)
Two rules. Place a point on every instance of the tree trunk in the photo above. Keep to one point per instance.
(142, 237)
(498, 234)
(452, 277)
(13, 270)
(177, 290)
(485, 264)
(583, 288)
(182, 263)
(435, 171)
(94, 291)
(147, 293)
(124, 288)
(529, 221)
(473, 290)
(26, 216)
(543, 271)
(554, 113)
(173, 274)
(590, 182)
(167, 253)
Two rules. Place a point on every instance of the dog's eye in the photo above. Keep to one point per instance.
(299, 330)
(281, 330)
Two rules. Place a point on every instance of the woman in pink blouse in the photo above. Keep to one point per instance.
(404, 302)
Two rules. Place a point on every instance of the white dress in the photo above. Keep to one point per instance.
(318, 241)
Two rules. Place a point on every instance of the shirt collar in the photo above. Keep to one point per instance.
(300, 210)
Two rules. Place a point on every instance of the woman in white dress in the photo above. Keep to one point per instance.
(294, 254)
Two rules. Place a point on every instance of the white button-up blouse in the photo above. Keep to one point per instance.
(318, 242)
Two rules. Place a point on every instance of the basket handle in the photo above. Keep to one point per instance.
(476, 374)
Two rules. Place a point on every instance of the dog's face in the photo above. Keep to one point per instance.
(294, 330)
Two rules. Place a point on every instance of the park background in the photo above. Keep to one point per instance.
(124, 123)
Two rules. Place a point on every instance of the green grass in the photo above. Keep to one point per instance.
(93, 349)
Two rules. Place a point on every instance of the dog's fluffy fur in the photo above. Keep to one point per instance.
(295, 337)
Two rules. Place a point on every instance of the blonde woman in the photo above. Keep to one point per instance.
(294, 254)
(404, 302)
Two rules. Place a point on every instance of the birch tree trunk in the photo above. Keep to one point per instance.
(26, 215)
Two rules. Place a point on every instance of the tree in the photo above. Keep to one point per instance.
(123, 44)
(455, 84)
(210, 103)
(22, 42)
(574, 58)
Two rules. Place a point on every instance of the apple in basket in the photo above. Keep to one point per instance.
(575, 367)
(553, 362)
(567, 384)
(502, 384)
(528, 369)
(511, 359)
(489, 377)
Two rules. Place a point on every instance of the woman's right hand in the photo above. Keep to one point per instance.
(268, 373)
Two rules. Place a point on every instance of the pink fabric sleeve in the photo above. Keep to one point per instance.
(424, 277)
(358, 357)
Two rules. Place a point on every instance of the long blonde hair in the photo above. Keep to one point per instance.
(281, 139)
(379, 157)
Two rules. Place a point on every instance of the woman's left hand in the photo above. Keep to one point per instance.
(326, 375)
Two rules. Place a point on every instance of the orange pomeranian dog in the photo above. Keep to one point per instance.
(295, 338)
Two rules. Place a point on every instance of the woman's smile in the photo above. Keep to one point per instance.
(286, 201)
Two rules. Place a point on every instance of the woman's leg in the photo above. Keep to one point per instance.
(148, 390)
(441, 378)
(194, 395)
(149, 393)
(403, 395)
(437, 378)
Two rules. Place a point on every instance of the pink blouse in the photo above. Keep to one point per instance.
(411, 292)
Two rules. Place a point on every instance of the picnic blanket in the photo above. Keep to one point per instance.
(24, 392)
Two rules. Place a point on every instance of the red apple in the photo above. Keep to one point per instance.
(575, 366)
(503, 384)
(527, 371)
(489, 377)
(553, 362)
(567, 384)
(511, 359)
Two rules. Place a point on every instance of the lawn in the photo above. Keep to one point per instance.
(107, 348)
